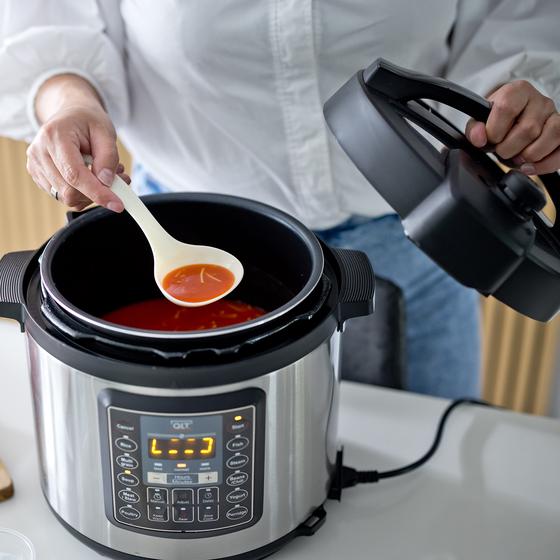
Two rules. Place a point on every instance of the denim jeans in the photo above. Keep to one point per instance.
(442, 316)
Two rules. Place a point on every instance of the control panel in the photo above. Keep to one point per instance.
(194, 472)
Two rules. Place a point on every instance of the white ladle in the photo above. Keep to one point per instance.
(169, 253)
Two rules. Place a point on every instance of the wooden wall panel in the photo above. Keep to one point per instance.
(519, 357)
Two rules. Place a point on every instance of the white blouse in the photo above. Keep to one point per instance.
(226, 95)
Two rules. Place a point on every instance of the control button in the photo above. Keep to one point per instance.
(183, 514)
(158, 513)
(183, 479)
(126, 462)
(183, 497)
(126, 427)
(238, 426)
(208, 496)
(157, 496)
(237, 444)
(157, 478)
(237, 496)
(130, 513)
(237, 479)
(126, 444)
(128, 479)
(208, 513)
(237, 461)
(237, 513)
(129, 496)
(208, 478)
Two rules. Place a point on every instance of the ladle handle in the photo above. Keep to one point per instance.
(157, 237)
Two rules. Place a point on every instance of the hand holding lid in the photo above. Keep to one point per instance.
(482, 226)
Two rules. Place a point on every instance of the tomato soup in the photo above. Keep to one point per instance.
(163, 315)
(198, 282)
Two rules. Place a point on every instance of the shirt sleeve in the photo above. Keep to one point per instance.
(43, 38)
(498, 41)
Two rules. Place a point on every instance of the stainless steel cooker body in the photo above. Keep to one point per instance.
(167, 446)
(299, 452)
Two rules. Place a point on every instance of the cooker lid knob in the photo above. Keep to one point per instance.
(524, 194)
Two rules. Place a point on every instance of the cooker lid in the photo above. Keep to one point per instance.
(482, 225)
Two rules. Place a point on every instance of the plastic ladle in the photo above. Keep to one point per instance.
(169, 253)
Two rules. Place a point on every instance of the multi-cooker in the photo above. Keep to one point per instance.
(170, 445)
(251, 409)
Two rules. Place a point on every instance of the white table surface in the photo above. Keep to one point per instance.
(492, 491)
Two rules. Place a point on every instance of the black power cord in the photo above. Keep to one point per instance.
(348, 477)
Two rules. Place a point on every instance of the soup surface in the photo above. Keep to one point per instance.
(198, 282)
(163, 315)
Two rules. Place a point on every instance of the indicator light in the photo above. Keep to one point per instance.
(238, 418)
(154, 451)
(210, 446)
(182, 449)
(181, 465)
(127, 472)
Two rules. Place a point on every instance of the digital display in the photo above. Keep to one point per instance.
(168, 447)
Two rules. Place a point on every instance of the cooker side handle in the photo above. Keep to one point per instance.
(12, 270)
(357, 284)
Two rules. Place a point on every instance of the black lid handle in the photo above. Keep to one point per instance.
(402, 84)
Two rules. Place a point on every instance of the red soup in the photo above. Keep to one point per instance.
(198, 282)
(163, 315)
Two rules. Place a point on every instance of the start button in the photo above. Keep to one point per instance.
(238, 425)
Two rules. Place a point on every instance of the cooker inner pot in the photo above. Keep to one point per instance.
(103, 261)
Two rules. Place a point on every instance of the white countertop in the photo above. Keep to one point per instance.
(492, 491)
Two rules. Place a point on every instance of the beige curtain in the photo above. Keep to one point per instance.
(518, 354)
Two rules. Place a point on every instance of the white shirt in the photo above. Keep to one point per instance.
(226, 95)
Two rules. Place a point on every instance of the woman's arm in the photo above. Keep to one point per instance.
(74, 122)
(523, 126)
(65, 86)
(512, 49)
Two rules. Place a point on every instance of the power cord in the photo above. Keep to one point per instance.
(348, 477)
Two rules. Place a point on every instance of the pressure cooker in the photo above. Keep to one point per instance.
(259, 398)
(255, 404)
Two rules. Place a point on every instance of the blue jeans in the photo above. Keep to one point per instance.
(442, 317)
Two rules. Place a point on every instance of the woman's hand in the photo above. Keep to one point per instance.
(523, 126)
(74, 123)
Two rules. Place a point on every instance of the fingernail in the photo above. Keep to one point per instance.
(518, 160)
(115, 206)
(106, 176)
(528, 169)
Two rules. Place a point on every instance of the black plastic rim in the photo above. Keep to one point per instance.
(307, 237)
(283, 349)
